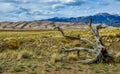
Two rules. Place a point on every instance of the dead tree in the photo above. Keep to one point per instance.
(99, 49)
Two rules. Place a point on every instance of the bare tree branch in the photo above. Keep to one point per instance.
(98, 48)
(90, 26)
(79, 49)
(59, 29)
(87, 41)
(75, 38)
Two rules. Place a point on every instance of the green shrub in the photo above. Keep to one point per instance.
(25, 55)
(1, 69)
(19, 68)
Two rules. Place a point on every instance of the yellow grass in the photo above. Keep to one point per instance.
(40, 47)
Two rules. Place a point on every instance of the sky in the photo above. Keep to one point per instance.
(29, 10)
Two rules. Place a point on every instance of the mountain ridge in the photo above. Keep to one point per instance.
(99, 18)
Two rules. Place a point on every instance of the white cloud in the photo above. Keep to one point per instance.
(56, 6)
(7, 7)
(67, 1)
(18, 10)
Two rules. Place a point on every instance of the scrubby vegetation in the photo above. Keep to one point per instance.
(37, 52)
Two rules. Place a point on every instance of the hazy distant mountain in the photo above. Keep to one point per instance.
(102, 18)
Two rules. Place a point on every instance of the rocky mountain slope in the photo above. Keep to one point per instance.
(101, 18)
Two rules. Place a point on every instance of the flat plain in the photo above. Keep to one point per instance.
(36, 52)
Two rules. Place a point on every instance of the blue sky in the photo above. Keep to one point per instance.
(27, 10)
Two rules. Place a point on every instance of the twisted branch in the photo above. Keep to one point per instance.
(98, 48)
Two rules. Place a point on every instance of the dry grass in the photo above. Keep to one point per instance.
(37, 52)
(72, 57)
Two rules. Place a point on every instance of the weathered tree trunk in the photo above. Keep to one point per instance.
(99, 49)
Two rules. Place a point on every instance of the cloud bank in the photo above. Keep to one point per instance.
(28, 10)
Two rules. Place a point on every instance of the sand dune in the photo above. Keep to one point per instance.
(42, 25)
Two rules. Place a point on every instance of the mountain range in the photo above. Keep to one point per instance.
(100, 18)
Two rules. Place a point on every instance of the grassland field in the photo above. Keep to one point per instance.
(36, 52)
